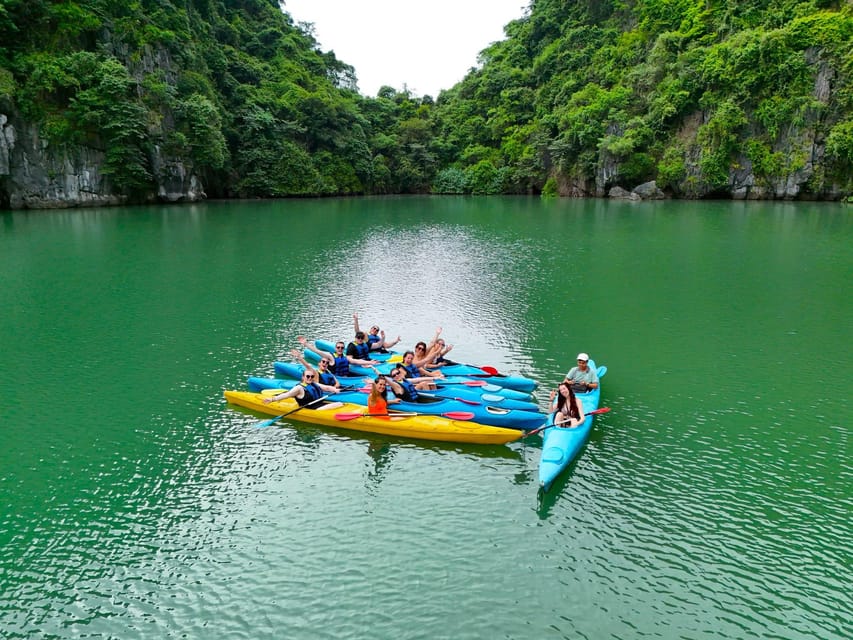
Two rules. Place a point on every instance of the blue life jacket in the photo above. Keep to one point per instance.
(361, 351)
(372, 340)
(413, 371)
(312, 393)
(410, 394)
(340, 367)
(326, 378)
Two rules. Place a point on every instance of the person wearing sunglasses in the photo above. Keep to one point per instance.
(324, 373)
(339, 361)
(375, 338)
(417, 374)
(308, 391)
(442, 350)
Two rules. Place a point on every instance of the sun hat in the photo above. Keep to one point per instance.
(583, 356)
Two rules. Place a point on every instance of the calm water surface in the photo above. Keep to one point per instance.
(713, 501)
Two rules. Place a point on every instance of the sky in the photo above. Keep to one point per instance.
(426, 45)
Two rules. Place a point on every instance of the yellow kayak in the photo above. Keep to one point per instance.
(337, 414)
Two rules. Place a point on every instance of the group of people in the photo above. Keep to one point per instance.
(417, 372)
(567, 408)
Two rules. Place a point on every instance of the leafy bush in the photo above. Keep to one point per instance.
(484, 178)
(671, 168)
(199, 120)
(549, 190)
(449, 181)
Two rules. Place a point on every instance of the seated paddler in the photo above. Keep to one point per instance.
(581, 377)
(307, 392)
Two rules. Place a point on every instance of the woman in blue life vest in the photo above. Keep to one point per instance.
(324, 373)
(441, 349)
(422, 383)
(402, 388)
(375, 337)
(307, 393)
(415, 369)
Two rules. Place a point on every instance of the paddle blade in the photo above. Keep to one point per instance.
(349, 416)
(268, 423)
(491, 371)
(595, 412)
(467, 401)
(459, 415)
(475, 383)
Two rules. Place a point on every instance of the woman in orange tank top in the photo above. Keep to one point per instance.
(376, 402)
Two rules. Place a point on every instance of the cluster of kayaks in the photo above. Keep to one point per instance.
(471, 404)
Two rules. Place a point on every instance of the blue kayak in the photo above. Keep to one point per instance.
(458, 385)
(559, 445)
(519, 383)
(472, 396)
(484, 413)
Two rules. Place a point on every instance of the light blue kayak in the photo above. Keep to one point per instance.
(456, 385)
(559, 445)
(520, 383)
(484, 413)
(468, 395)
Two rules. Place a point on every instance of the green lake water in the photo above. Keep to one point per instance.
(713, 501)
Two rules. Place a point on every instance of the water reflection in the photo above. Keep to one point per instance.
(411, 281)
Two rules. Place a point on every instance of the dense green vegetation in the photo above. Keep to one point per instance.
(230, 87)
(673, 90)
(579, 97)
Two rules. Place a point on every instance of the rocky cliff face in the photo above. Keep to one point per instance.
(37, 175)
(34, 175)
(799, 149)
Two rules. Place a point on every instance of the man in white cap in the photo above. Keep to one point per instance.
(581, 377)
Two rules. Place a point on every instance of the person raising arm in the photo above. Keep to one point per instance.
(306, 392)
(568, 411)
(377, 402)
(324, 374)
(358, 352)
(375, 337)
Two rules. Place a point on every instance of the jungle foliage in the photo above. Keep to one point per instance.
(681, 91)
(674, 90)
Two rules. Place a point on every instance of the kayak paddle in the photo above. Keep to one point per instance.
(468, 383)
(463, 400)
(594, 412)
(271, 421)
(452, 415)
